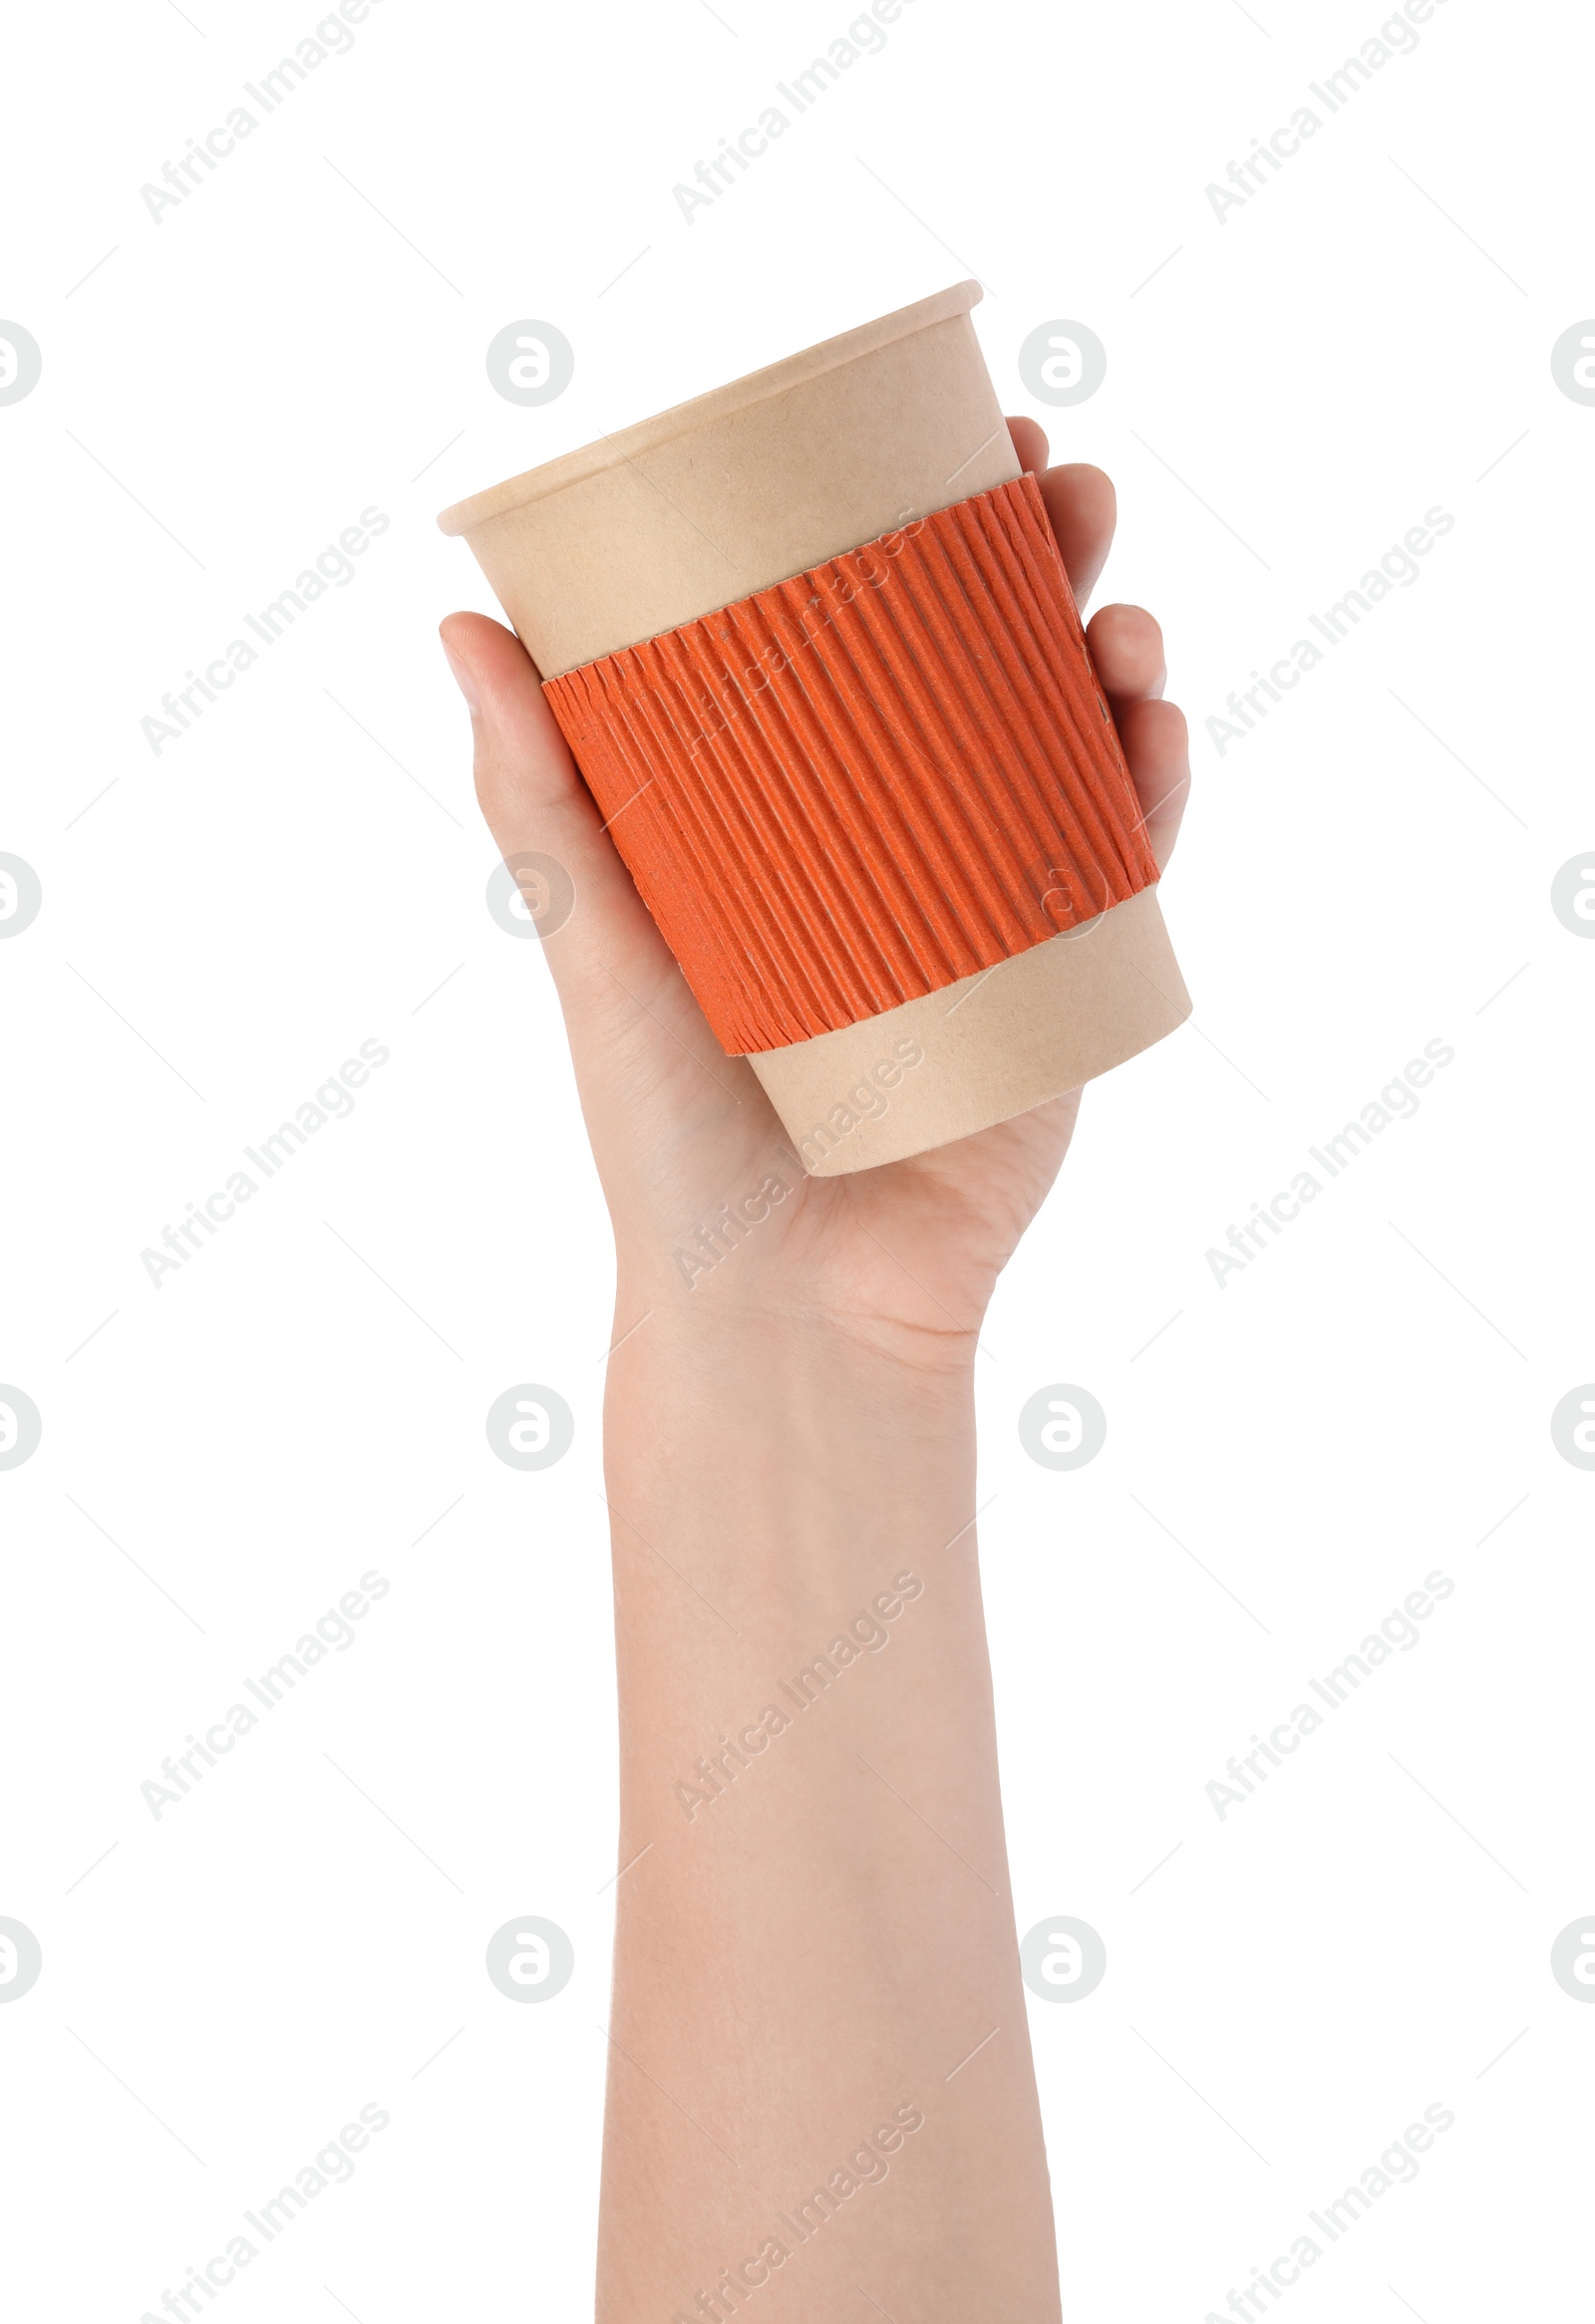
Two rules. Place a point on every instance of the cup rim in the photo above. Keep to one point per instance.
(776, 379)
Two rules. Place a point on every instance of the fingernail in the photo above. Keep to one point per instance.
(464, 679)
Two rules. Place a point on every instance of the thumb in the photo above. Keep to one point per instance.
(534, 801)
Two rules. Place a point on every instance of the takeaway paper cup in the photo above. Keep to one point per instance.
(707, 504)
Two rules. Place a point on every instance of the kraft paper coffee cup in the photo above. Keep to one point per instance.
(705, 505)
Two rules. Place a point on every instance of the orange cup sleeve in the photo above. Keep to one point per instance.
(861, 784)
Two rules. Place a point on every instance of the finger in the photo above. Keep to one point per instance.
(1127, 647)
(1084, 509)
(1158, 753)
(535, 802)
(1030, 443)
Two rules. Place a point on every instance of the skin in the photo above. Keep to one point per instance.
(813, 1933)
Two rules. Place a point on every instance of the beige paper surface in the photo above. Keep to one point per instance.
(704, 504)
(700, 507)
(988, 1047)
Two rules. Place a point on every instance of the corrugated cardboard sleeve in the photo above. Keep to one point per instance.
(868, 781)
(757, 497)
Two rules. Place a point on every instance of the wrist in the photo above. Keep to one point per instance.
(808, 1317)
(765, 1356)
(775, 1448)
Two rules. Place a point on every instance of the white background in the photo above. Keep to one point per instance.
(302, 338)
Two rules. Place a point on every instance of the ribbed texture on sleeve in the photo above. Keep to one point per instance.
(863, 783)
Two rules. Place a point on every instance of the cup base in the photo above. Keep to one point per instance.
(980, 1051)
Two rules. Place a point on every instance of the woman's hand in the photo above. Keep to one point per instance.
(812, 1919)
(905, 1255)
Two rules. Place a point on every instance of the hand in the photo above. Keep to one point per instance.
(903, 1257)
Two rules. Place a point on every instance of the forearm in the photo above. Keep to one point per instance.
(815, 1942)
(817, 1985)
